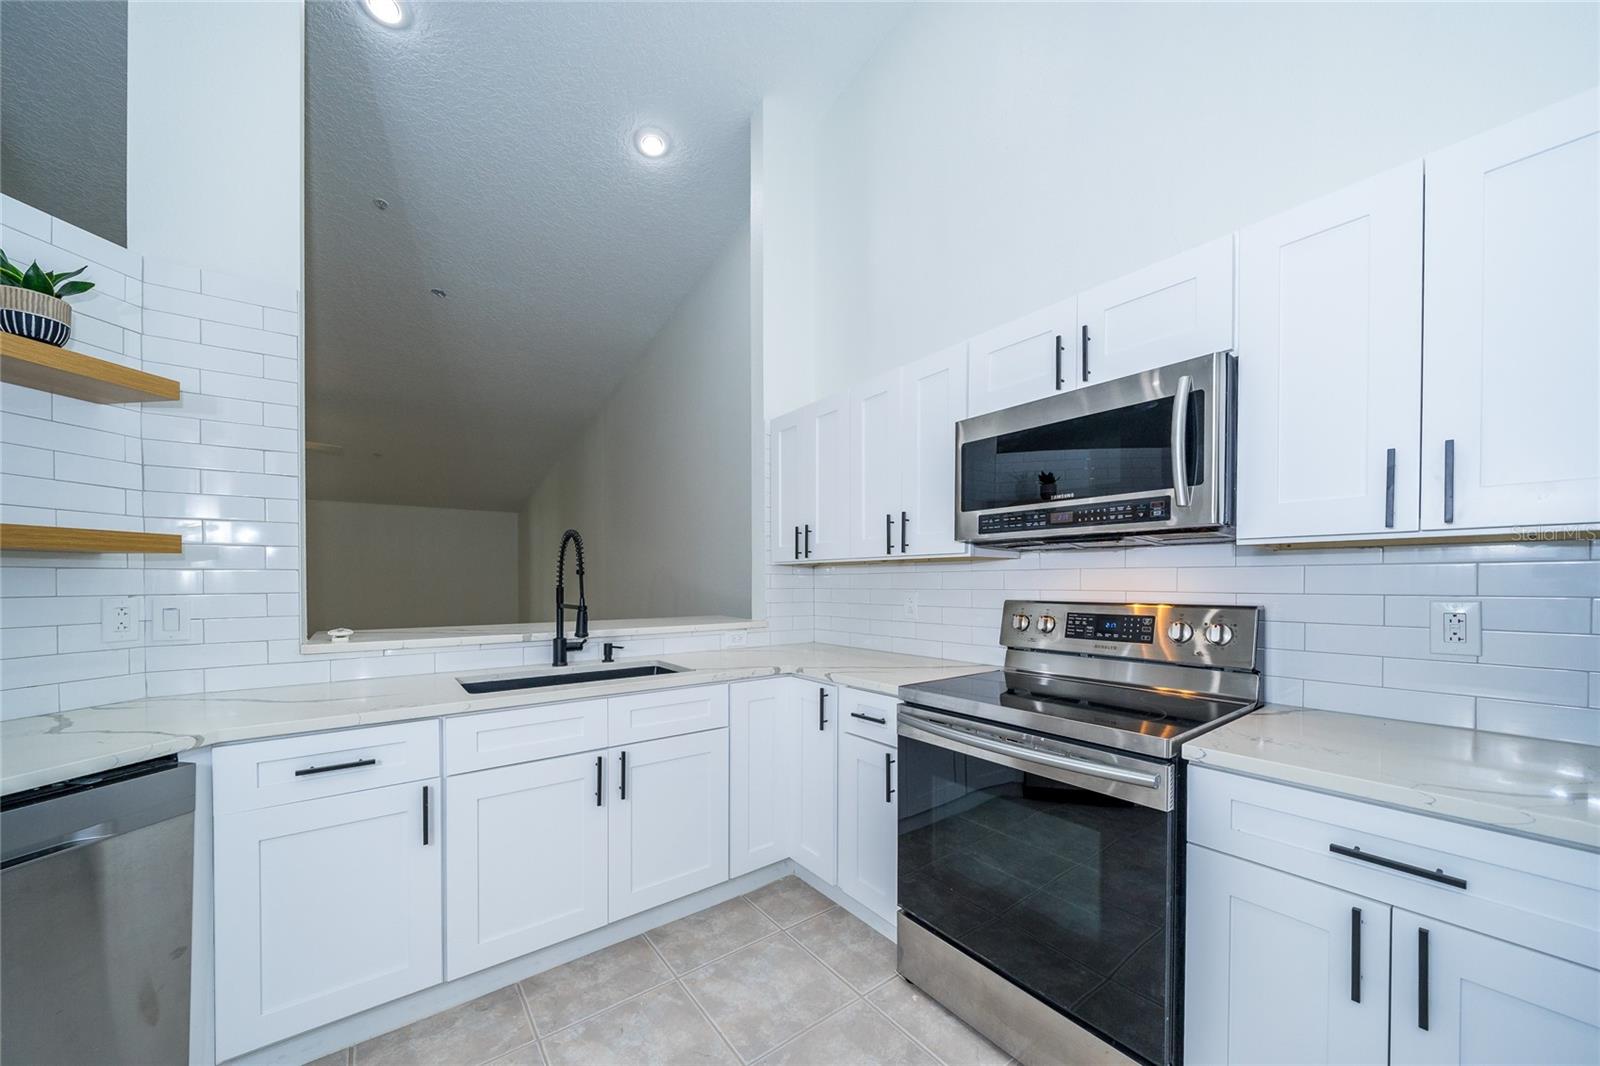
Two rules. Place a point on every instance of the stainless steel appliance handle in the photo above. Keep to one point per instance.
(1017, 751)
(1180, 441)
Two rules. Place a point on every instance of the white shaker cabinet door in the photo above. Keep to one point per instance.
(868, 827)
(875, 456)
(1176, 309)
(792, 485)
(1330, 363)
(1026, 359)
(933, 399)
(829, 483)
(1511, 338)
(668, 807)
(763, 749)
(816, 822)
(526, 863)
(1460, 996)
(1280, 969)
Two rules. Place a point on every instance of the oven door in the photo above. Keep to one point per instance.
(1054, 865)
(1145, 453)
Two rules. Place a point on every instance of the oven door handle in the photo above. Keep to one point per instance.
(1086, 767)
(1180, 441)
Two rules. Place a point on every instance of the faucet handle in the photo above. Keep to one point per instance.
(581, 630)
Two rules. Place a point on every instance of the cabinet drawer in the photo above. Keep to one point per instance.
(667, 713)
(1529, 892)
(265, 773)
(502, 738)
(869, 715)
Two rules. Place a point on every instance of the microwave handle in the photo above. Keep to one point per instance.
(1180, 426)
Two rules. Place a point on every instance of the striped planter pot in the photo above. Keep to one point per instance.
(35, 315)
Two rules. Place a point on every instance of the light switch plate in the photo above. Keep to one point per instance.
(171, 621)
(911, 605)
(120, 620)
(1455, 627)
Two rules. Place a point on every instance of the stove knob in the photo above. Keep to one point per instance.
(1179, 631)
(1047, 624)
(1019, 622)
(1219, 633)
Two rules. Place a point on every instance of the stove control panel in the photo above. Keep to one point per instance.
(1191, 634)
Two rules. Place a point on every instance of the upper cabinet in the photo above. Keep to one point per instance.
(1330, 363)
(793, 480)
(1511, 332)
(875, 457)
(1175, 310)
(1023, 360)
(933, 398)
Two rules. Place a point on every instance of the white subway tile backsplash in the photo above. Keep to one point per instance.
(230, 483)
(189, 505)
(1580, 725)
(237, 581)
(232, 434)
(248, 290)
(27, 640)
(1530, 614)
(44, 492)
(245, 338)
(34, 670)
(202, 456)
(244, 387)
(281, 321)
(202, 357)
(107, 472)
(1438, 579)
(20, 216)
(196, 305)
(1541, 579)
(112, 689)
(227, 678)
(1436, 708)
(1482, 679)
(164, 324)
(1562, 651)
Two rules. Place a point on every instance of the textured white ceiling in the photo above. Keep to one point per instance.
(501, 136)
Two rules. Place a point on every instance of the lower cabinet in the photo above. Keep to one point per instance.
(763, 742)
(816, 790)
(867, 823)
(527, 860)
(668, 819)
(324, 907)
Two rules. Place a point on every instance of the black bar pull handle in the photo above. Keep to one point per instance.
(808, 542)
(869, 718)
(888, 778)
(1449, 481)
(822, 709)
(1438, 876)
(427, 814)
(622, 774)
(904, 524)
(1388, 491)
(1060, 380)
(797, 542)
(1355, 954)
(1422, 978)
(308, 771)
(599, 779)
(1084, 348)
(888, 534)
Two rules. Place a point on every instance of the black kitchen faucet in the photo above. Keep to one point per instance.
(580, 633)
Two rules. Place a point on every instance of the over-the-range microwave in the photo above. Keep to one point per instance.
(1146, 458)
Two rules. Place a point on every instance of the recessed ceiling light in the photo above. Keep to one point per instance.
(386, 12)
(440, 293)
(381, 204)
(652, 144)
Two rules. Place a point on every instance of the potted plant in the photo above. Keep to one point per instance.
(33, 301)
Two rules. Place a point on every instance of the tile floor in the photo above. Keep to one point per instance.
(777, 976)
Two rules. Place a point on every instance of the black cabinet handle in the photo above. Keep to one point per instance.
(904, 522)
(599, 779)
(1388, 491)
(308, 771)
(822, 709)
(797, 542)
(808, 542)
(869, 718)
(1449, 484)
(888, 778)
(1355, 954)
(1060, 381)
(1085, 350)
(888, 534)
(427, 815)
(622, 775)
(1422, 978)
(1395, 864)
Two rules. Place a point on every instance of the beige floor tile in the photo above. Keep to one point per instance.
(935, 1028)
(766, 993)
(468, 1035)
(662, 1026)
(526, 1055)
(601, 979)
(857, 1035)
(338, 1058)
(849, 947)
(789, 900)
(710, 934)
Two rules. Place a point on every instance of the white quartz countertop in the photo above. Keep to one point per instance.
(55, 747)
(1538, 788)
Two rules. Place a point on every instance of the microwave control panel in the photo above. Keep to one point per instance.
(1150, 509)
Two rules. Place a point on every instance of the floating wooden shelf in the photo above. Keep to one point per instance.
(35, 365)
(66, 539)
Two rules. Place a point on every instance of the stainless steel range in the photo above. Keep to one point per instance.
(1041, 823)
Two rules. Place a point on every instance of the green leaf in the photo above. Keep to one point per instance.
(9, 274)
(73, 288)
(36, 281)
(58, 281)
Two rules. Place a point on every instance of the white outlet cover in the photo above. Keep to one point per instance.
(911, 605)
(171, 621)
(120, 619)
(1471, 611)
(736, 639)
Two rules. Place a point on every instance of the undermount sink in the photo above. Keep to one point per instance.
(566, 677)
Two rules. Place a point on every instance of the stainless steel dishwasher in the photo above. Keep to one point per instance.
(96, 897)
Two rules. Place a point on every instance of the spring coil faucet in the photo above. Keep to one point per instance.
(580, 633)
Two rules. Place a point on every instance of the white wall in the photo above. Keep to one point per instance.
(215, 119)
(659, 483)
(994, 158)
(380, 566)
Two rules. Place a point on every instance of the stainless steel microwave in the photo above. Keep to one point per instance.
(1144, 458)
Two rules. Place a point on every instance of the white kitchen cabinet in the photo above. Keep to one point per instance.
(793, 481)
(1177, 309)
(667, 819)
(1330, 363)
(763, 746)
(1025, 359)
(876, 454)
(816, 793)
(933, 398)
(828, 492)
(1478, 999)
(1280, 969)
(324, 908)
(868, 829)
(526, 860)
(1511, 337)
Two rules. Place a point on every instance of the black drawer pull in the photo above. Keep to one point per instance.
(599, 779)
(427, 813)
(622, 775)
(1422, 978)
(888, 778)
(1438, 876)
(1355, 954)
(822, 709)
(308, 771)
(869, 718)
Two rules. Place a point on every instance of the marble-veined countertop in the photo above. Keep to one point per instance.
(56, 747)
(1537, 788)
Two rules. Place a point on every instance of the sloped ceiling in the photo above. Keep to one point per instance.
(501, 136)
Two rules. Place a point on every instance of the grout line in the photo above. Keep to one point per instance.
(710, 1020)
(854, 999)
(527, 1009)
(909, 1034)
(824, 964)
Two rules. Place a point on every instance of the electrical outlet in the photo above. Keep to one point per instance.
(738, 638)
(1455, 628)
(119, 619)
(911, 605)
